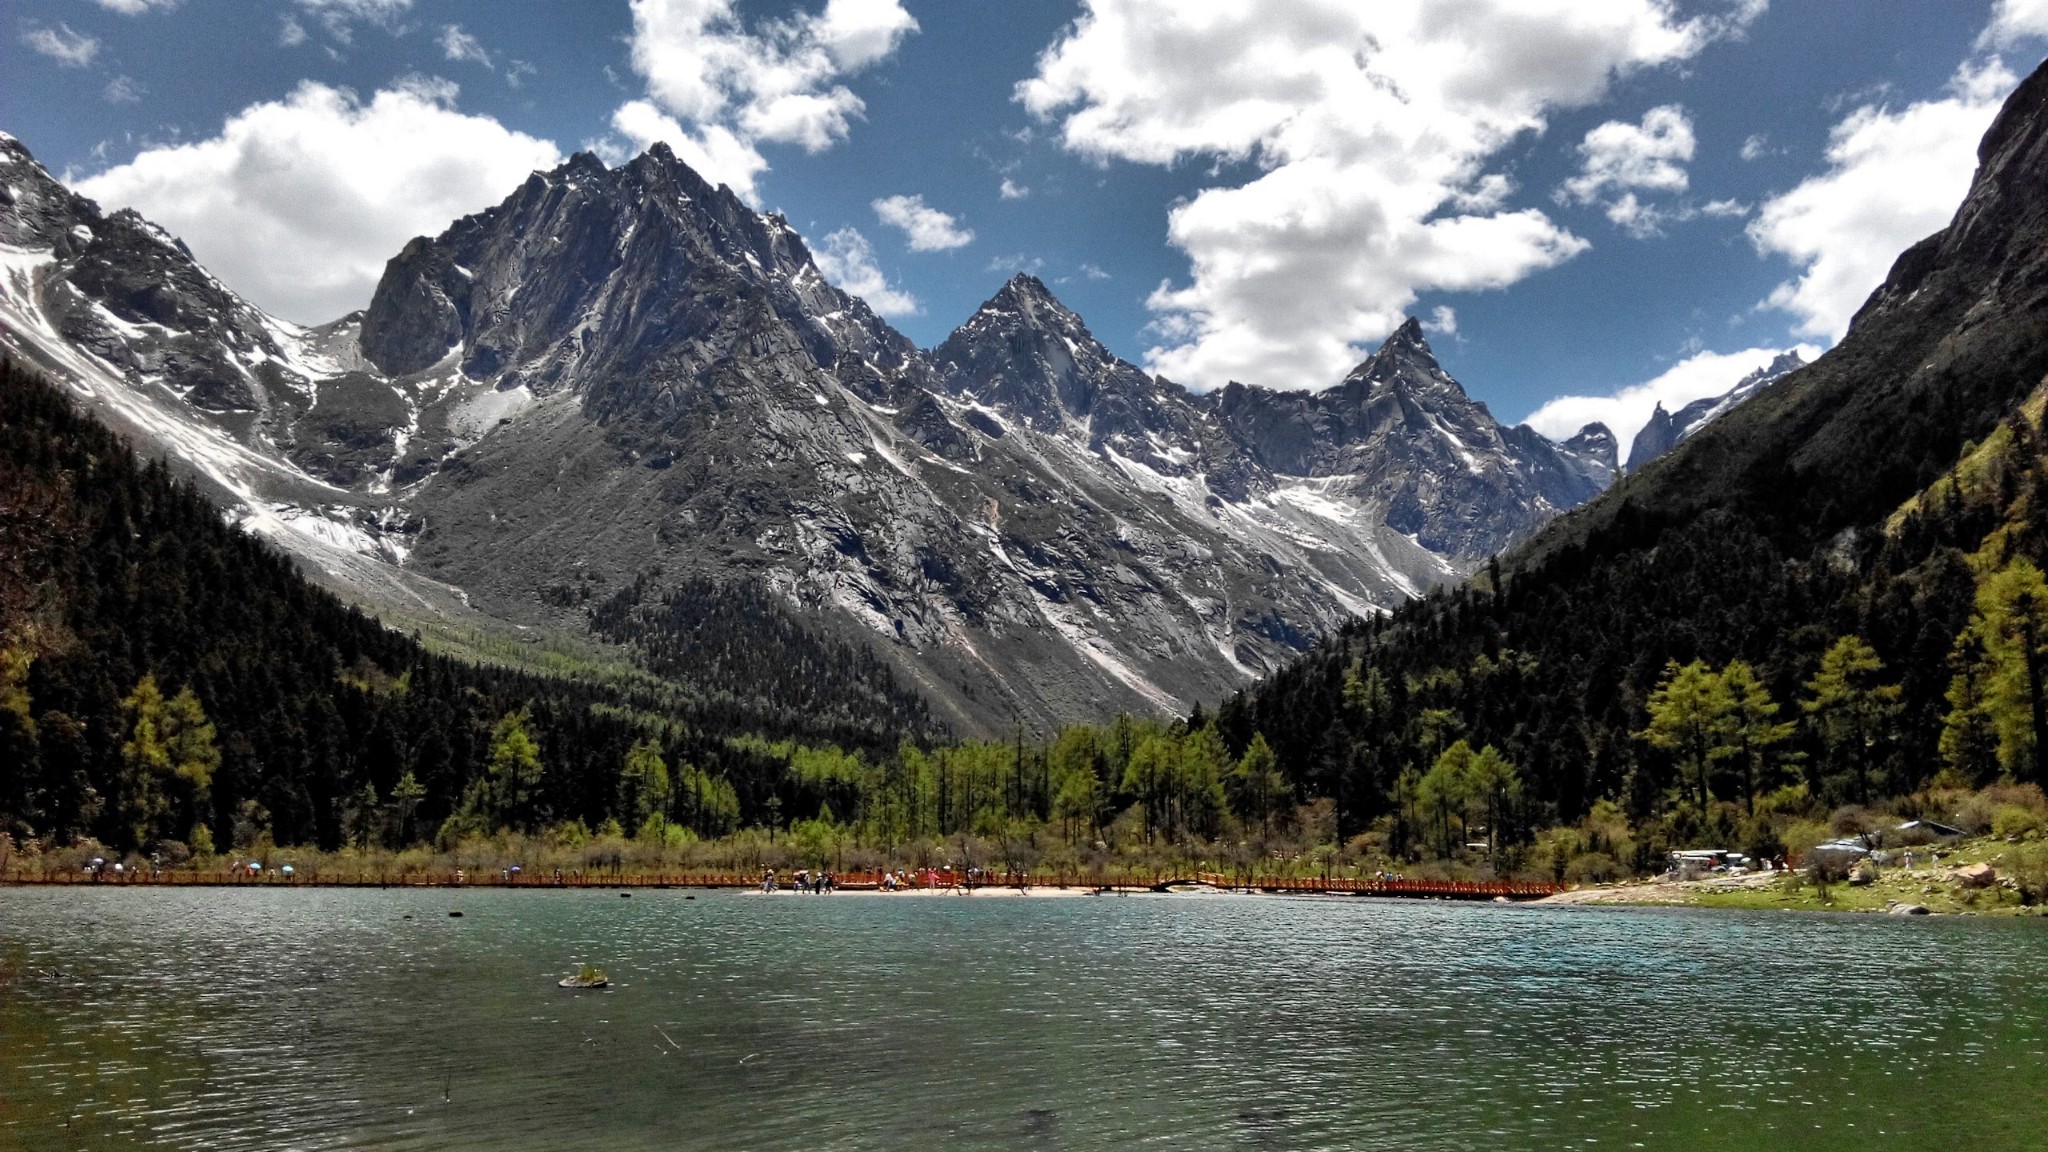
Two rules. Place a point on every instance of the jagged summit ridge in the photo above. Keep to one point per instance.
(1026, 351)
(1665, 430)
(592, 270)
(620, 376)
(1943, 350)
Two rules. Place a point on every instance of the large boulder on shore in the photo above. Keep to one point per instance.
(1975, 875)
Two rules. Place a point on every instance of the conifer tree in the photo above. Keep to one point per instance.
(645, 782)
(1076, 762)
(2010, 625)
(1969, 732)
(169, 760)
(1496, 784)
(1689, 710)
(505, 795)
(1446, 791)
(1749, 729)
(1257, 791)
(1851, 711)
(405, 800)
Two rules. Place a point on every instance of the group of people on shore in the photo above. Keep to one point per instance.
(929, 878)
(820, 881)
(806, 881)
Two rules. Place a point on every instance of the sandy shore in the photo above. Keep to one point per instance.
(1033, 893)
(1661, 891)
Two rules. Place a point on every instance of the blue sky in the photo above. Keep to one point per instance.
(1621, 206)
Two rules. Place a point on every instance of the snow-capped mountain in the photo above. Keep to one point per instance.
(625, 376)
(1666, 430)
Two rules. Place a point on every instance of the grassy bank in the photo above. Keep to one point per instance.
(2020, 868)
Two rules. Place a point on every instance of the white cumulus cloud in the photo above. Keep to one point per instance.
(1370, 127)
(69, 49)
(848, 261)
(1636, 218)
(2013, 21)
(136, 7)
(1619, 159)
(928, 229)
(1894, 176)
(298, 203)
(1625, 411)
(459, 46)
(716, 152)
(718, 88)
(340, 17)
(123, 90)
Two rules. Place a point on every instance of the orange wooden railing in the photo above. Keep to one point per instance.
(943, 878)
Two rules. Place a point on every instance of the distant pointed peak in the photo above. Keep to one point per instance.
(1592, 432)
(1408, 339)
(1406, 346)
(659, 157)
(1028, 287)
(1026, 296)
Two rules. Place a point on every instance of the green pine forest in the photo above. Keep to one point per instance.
(1656, 682)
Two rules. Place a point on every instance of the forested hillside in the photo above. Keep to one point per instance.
(744, 650)
(172, 685)
(166, 679)
(1829, 596)
(1828, 602)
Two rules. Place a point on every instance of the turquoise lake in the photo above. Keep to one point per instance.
(365, 1019)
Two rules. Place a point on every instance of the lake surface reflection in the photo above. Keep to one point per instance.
(253, 1019)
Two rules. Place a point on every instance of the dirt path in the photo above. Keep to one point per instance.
(1662, 891)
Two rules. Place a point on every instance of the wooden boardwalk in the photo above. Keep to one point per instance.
(940, 879)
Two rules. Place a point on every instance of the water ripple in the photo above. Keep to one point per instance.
(248, 1019)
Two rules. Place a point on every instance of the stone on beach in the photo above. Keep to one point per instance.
(1975, 875)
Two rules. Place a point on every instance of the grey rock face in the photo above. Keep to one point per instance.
(1938, 355)
(1435, 460)
(1656, 437)
(1665, 430)
(590, 276)
(626, 376)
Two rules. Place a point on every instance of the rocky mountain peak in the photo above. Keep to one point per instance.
(1404, 362)
(1785, 362)
(1943, 350)
(1409, 335)
(586, 162)
(597, 273)
(1026, 352)
(1665, 430)
(1026, 295)
(626, 369)
(1595, 444)
(123, 290)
